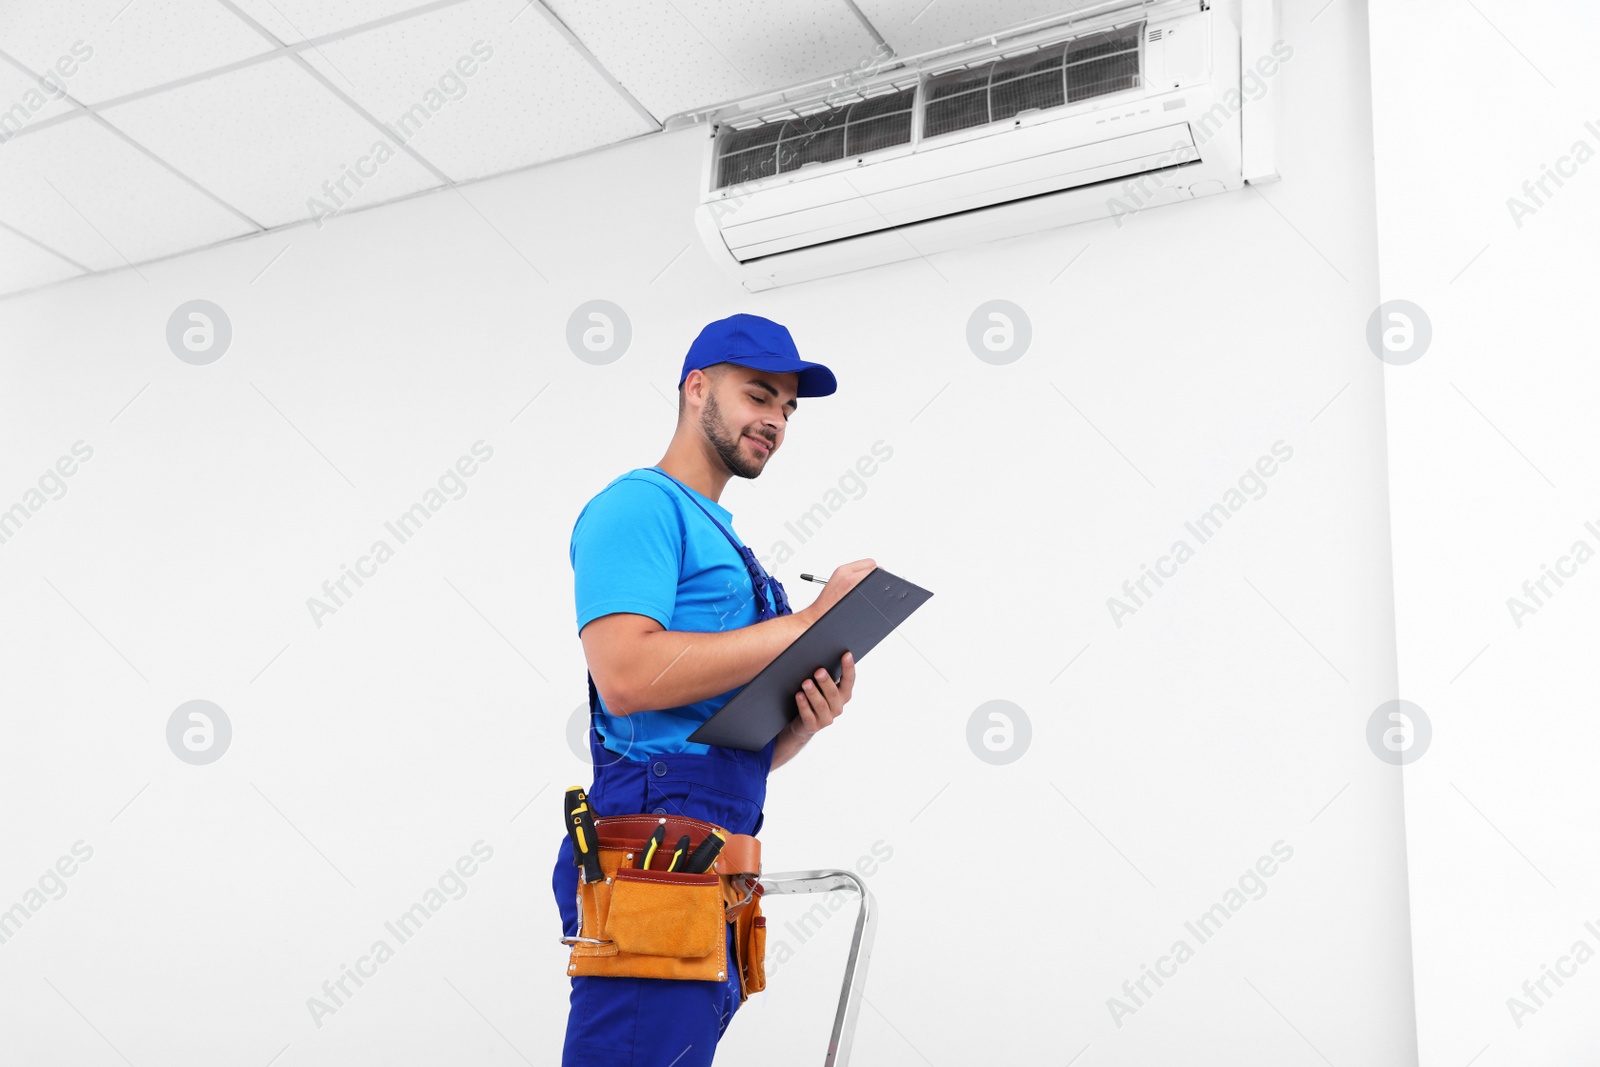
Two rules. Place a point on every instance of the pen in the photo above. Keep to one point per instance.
(813, 578)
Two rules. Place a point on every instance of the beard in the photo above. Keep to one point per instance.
(729, 446)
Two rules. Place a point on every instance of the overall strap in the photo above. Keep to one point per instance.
(731, 539)
(760, 579)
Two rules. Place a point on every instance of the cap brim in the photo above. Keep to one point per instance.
(815, 379)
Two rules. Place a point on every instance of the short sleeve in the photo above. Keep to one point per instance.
(627, 552)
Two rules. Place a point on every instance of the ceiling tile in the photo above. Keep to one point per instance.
(125, 45)
(80, 189)
(913, 26)
(680, 54)
(24, 99)
(24, 264)
(269, 137)
(293, 21)
(530, 95)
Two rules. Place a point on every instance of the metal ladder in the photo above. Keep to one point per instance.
(855, 966)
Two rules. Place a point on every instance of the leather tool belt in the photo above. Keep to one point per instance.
(650, 923)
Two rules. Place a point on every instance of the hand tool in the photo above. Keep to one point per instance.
(705, 854)
(585, 842)
(649, 851)
(569, 803)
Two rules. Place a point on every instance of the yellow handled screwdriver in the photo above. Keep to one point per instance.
(701, 859)
(585, 841)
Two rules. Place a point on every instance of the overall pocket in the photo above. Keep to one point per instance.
(665, 913)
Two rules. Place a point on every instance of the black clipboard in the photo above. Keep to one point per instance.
(864, 616)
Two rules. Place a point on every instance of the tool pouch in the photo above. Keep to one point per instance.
(650, 923)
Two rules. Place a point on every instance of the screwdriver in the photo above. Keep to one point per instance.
(569, 805)
(701, 859)
(585, 841)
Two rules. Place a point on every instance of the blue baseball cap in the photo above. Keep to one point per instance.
(758, 343)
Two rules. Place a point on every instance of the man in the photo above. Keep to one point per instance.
(676, 615)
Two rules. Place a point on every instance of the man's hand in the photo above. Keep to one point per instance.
(843, 579)
(821, 701)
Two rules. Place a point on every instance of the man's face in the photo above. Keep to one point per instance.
(746, 410)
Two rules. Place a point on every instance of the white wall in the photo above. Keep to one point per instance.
(1492, 455)
(1167, 755)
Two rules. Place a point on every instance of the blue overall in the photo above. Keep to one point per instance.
(657, 1022)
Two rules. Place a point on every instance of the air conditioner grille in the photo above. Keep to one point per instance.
(1096, 64)
(836, 133)
(1104, 43)
(1025, 82)
(1093, 65)
(1102, 76)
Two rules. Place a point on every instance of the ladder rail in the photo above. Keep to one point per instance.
(855, 968)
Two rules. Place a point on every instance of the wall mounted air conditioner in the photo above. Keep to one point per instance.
(1095, 119)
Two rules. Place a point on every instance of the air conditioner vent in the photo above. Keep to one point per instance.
(1097, 64)
(838, 132)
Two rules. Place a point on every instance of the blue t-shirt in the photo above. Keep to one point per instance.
(641, 546)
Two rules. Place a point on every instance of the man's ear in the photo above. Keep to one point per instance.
(704, 384)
